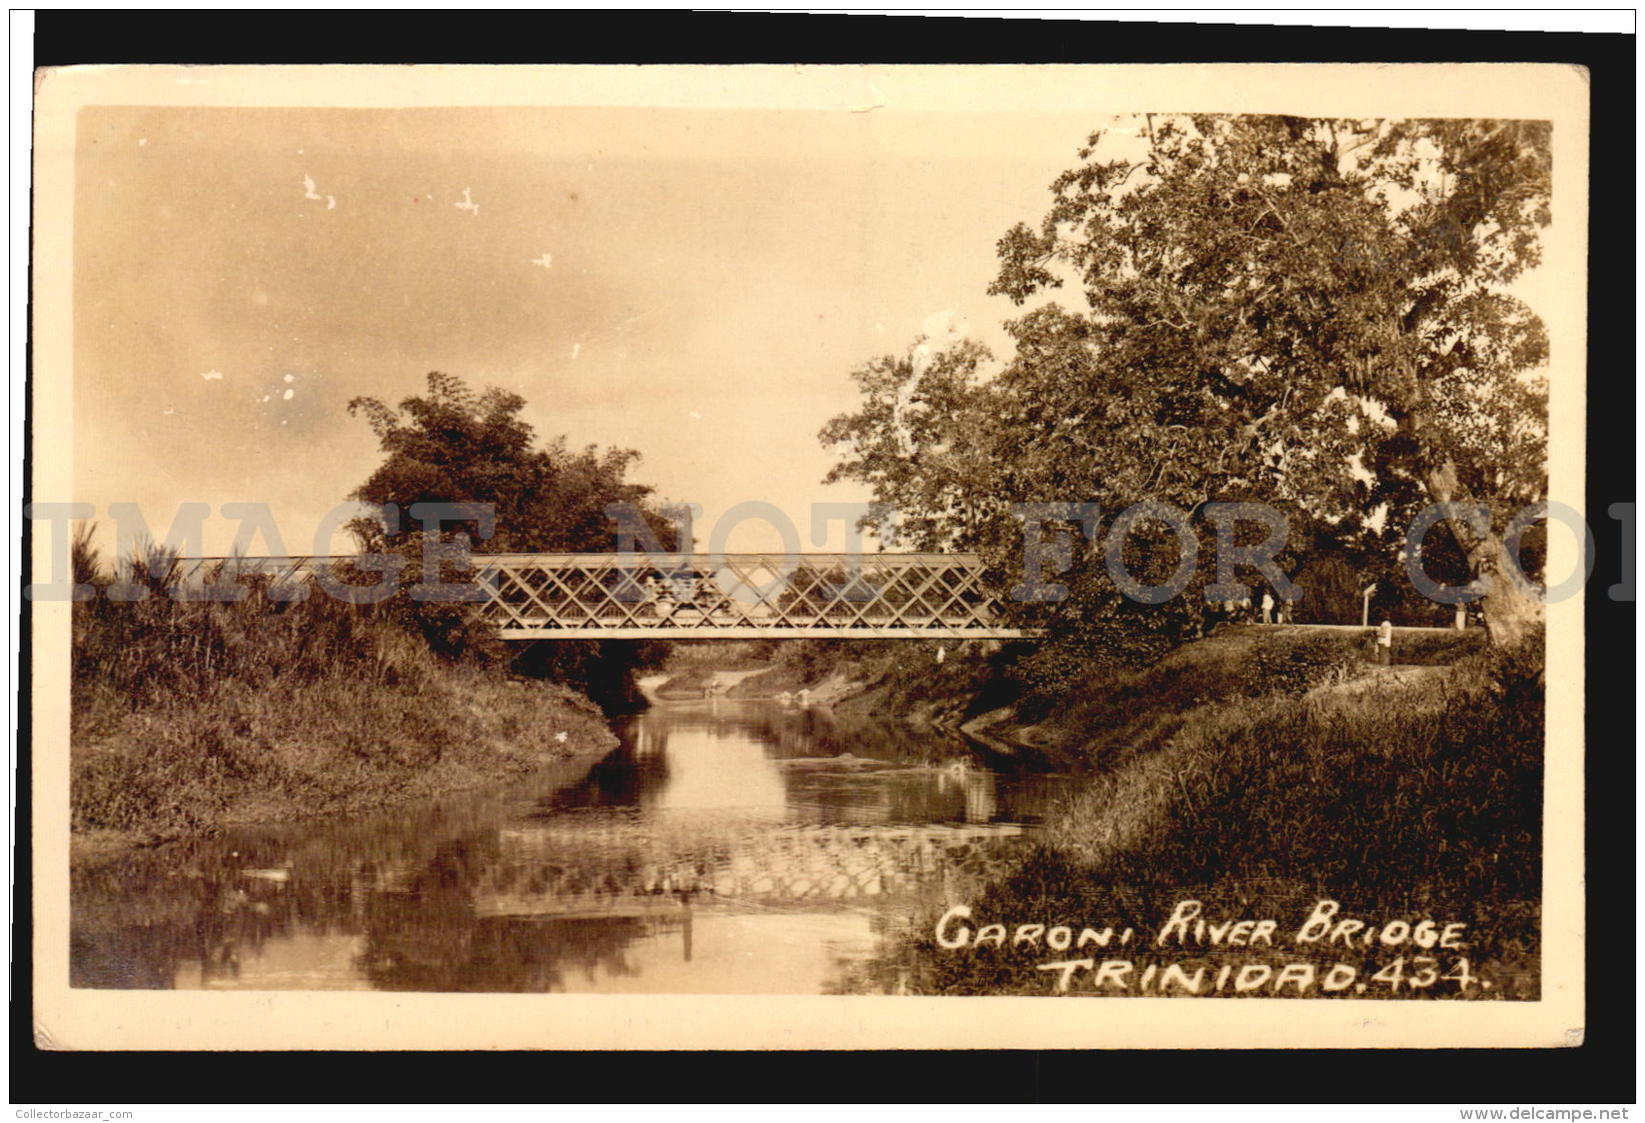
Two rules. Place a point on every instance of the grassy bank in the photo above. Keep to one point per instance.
(189, 715)
(1026, 693)
(1257, 771)
(1259, 778)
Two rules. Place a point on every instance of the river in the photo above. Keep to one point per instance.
(723, 847)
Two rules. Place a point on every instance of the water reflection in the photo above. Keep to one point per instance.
(714, 769)
(723, 847)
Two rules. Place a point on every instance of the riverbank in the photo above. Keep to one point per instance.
(694, 683)
(993, 692)
(328, 748)
(1257, 771)
(190, 716)
(1402, 798)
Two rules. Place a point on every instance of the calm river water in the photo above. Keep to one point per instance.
(724, 847)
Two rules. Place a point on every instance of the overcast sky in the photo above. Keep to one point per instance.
(694, 284)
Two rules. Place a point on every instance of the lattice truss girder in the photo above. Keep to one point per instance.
(698, 592)
(744, 591)
(543, 593)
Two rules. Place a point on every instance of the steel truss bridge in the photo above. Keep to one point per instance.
(703, 596)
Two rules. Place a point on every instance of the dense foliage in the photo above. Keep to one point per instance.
(456, 446)
(191, 714)
(1314, 314)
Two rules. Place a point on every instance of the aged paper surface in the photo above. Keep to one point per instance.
(80, 434)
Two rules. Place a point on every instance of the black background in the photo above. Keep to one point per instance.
(1602, 1071)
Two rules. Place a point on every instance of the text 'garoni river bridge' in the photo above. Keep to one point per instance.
(705, 596)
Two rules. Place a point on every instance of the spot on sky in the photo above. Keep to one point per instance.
(213, 376)
(291, 378)
(695, 416)
(576, 349)
(265, 397)
(945, 323)
(310, 192)
(142, 142)
(468, 203)
(877, 100)
(287, 395)
(546, 261)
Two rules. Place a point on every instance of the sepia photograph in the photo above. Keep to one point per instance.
(816, 556)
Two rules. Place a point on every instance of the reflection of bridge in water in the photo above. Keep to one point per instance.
(612, 866)
(704, 596)
(720, 840)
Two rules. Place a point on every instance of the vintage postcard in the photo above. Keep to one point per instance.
(790, 557)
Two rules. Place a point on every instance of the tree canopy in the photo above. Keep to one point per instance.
(1314, 313)
(454, 445)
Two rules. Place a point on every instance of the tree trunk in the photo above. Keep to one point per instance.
(1512, 611)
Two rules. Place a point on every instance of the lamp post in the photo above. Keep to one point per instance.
(1365, 605)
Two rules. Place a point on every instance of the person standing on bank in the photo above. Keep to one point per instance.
(1385, 643)
(1267, 607)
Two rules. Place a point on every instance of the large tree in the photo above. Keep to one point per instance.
(456, 445)
(1316, 313)
(916, 442)
(453, 445)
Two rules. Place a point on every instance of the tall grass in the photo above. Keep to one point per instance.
(1399, 799)
(189, 713)
(1416, 787)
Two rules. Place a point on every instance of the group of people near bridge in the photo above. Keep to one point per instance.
(1263, 611)
(669, 593)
